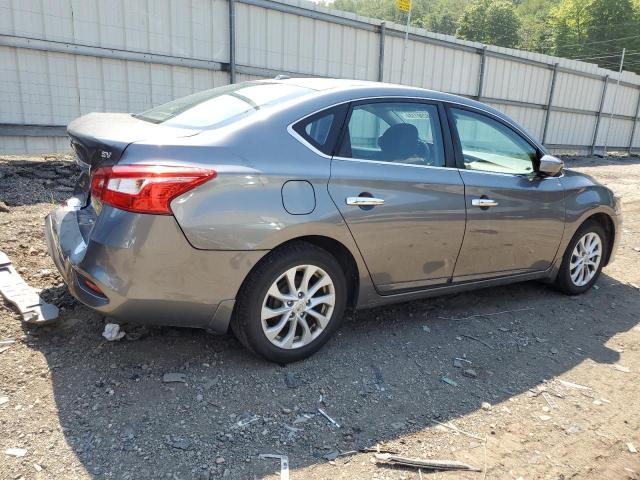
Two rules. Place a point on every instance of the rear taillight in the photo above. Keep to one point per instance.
(145, 188)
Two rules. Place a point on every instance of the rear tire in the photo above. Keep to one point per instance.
(291, 303)
(583, 259)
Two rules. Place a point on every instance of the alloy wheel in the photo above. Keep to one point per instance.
(298, 306)
(585, 259)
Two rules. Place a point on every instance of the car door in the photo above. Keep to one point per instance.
(395, 183)
(515, 218)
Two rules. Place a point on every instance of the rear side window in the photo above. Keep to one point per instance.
(395, 132)
(321, 129)
(222, 105)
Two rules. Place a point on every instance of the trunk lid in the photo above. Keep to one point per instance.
(100, 139)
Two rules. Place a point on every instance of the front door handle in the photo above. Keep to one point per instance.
(483, 202)
(364, 201)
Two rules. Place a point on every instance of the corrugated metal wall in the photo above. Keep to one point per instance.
(60, 59)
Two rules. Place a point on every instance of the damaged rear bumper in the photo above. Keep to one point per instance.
(144, 267)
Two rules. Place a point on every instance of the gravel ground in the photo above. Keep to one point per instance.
(82, 407)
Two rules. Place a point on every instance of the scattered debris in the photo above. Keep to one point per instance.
(331, 455)
(16, 452)
(377, 374)
(553, 350)
(470, 372)
(574, 385)
(324, 414)
(449, 381)
(488, 314)
(292, 381)
(304, 418)
(461, 362)
(25, 298)
(245, 420)
(180, 443)
(3, 400)
(136, 332)
(387, 458)
(486, 406)
(622, 368)
(545, 418)
(8, 341)
(631, 447)
(398, 425)
(4, 208)
(548, 399)
(478, 340)
(377, 449)
(451, 426)
(426, 329)
(284, 464)
(174, 378)
(112, 332)
(573, 429)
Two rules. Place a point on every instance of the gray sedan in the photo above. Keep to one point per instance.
(272, 207)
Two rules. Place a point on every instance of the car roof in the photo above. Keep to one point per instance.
(366, 87)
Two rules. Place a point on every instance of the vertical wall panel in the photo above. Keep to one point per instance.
(532, 119)
(11, 107)
(570, 129)
(573, 91)
(615, 133)
(516, 81)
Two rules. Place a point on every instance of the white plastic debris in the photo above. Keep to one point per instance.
(16, 452)
(16, 291)
(112, 332)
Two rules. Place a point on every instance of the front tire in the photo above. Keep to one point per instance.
(291, 303)
(583, 259)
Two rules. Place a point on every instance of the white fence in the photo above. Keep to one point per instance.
(60, 59)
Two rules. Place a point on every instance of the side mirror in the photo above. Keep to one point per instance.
(550, 166)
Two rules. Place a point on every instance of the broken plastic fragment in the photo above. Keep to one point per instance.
(112, 332)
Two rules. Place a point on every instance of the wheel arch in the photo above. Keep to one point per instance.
(607, 223)
(336, 248)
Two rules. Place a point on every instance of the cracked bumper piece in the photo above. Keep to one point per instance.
(15, 290)
(141, 269)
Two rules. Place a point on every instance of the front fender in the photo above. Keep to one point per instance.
(584, 198)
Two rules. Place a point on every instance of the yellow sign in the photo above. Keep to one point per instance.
(404, 5)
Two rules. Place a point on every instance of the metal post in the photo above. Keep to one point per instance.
(549, 103)
(483, 61)
(383, 30)
(635, 124)
(406, 40)
(595, 130)
(613, 104)
(232, 41)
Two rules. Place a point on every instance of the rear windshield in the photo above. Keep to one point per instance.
(221, 105)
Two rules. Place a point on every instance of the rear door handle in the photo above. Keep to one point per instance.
(364, 201)
(483, 202)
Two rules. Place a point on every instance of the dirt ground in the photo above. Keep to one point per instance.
(83, 407)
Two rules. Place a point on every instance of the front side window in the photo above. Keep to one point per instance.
(222, 105)
(490, 146)
(396, 132)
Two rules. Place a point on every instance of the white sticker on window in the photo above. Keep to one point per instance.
(415, 115)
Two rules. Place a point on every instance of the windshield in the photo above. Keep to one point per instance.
(221, 105)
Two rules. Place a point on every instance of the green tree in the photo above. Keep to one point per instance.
(443, 15)
(493, 22)
(611, 26)
(535, 19)
(569, 22)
